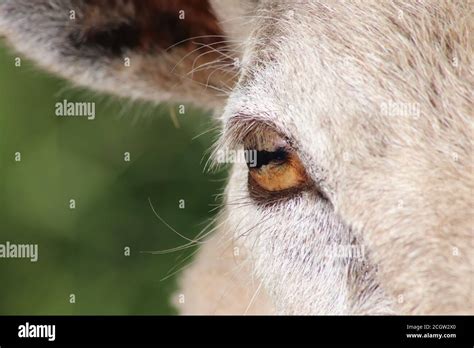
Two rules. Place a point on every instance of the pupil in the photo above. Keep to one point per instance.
(266, 157)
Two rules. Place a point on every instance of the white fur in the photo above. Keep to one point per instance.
(322, 73)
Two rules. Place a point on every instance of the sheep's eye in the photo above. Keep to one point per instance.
(274, 167)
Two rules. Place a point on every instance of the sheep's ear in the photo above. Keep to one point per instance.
(160, 50)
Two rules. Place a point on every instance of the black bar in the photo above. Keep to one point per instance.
(135, 330)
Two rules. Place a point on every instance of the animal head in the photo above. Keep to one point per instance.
(358, 113)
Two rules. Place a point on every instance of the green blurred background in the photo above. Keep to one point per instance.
(81, 250)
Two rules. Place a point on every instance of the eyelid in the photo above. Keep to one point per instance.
(242, 126)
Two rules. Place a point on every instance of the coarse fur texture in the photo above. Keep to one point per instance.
(376, 98)
(221, 281)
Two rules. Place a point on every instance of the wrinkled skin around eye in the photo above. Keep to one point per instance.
(299, 251)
